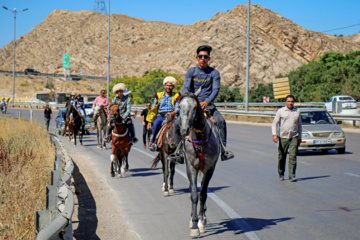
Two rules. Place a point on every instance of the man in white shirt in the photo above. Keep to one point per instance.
(288, 121)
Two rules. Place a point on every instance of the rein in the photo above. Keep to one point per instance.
(200, 145)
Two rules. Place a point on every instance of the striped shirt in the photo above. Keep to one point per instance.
(288, 122)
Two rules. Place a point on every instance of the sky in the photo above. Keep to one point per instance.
(328, 16)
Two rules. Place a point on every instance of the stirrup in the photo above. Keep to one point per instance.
(176, 158)
(227, 155)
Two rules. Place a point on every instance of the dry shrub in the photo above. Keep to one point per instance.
(26, 161)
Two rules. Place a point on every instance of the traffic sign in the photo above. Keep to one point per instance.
(66, 58)
(281, 87)
(265, 99)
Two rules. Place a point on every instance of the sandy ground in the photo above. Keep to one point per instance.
(96, 221)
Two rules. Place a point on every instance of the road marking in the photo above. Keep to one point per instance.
(226, 208)
(352, 174)
(257, 151)
(306, 163)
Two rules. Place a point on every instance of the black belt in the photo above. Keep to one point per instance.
(163, 114)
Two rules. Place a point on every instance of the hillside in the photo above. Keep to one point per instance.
(277, 45)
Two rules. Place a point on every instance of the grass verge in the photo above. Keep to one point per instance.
(26, 161)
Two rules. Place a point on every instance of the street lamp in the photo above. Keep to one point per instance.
(14, 12)
(108, 58)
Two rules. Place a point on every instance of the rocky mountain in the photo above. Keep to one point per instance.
(277, 45)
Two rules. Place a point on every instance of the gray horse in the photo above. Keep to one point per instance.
(101, 124)
(201, 146)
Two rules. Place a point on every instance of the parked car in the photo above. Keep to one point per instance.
(320, 131)
(88, 109)
(31, 71)
(60, 122)
(347, 102)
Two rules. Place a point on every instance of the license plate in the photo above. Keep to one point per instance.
(321, 141)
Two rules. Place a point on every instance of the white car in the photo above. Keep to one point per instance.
(88, 109)
(347, 102)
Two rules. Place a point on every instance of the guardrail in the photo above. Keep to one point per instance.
(55, 221)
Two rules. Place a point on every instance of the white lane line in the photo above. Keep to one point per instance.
(306, 163)
(226, 208)
(352, 174)
(257, 151)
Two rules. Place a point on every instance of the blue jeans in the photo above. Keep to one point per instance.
(156, 127)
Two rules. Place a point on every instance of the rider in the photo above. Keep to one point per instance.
(165, 104)
(70, 101)
(79, 106)
(3, 103)
(208, 79)
(124, 111)
(100, 100)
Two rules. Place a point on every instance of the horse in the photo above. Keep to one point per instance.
(167, 145)
(75, 124)
(101, 123)
(201, 147)
(120, 145)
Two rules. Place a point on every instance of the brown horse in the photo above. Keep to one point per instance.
(75, 125)
(166, 144)
(120, 145)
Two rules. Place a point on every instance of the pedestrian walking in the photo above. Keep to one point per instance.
(146, 132)
(47, 116)
(286, 131)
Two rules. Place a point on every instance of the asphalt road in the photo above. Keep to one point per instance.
(246, 200)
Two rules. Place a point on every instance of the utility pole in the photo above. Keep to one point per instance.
(108, 66)
(14, 12)
(247, 60)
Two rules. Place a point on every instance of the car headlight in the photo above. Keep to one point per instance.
(338, 134)
(305, 135)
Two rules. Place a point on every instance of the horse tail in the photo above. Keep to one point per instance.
(155, 161)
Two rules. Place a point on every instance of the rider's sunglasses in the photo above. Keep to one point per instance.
(203, 56)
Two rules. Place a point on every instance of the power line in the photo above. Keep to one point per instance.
(340, 28)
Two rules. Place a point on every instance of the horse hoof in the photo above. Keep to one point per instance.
(204, 221)
(163, 187)
(171, 191)
(194, 233)
(112, 174)
(201, 226)
(166, 194)
(191, 224)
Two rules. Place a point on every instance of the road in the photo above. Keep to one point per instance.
(246, 200)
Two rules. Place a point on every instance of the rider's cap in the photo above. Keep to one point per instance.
(73, 94)
(79, 95)
(171, 80)
(119, 87)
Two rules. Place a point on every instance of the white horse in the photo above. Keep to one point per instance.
(101, 123)
(201, 150)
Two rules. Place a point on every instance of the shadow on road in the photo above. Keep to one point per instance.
(319, 153)
(143, 172)
(311, 178)
(186, 190)
(242, 225)
(88, 221)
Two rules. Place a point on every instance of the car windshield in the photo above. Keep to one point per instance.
(312, 118)
(88, 105)
(346, 99)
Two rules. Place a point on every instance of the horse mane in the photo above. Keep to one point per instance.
(189, 94)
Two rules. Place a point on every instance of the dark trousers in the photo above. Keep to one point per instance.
(220, 123)
(146, 134)
(129, 125)
(47, 123)
(285, 145)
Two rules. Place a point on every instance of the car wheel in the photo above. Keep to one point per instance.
(341, 150)
(324, 151)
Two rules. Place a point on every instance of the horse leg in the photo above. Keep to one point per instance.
(81, 134)
(98, 136)
(203, 196)
(165, 173)
(103, 135)
(123, 165)
(113, 161)
(118, 162)
(172, 174)
(192, 174)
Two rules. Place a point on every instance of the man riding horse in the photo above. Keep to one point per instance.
(165, 104)
(207, 79)
(124, 104)
(100, 100)
(78, 103)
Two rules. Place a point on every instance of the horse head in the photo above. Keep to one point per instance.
(115, 114)
(189, 109)
(98, 109)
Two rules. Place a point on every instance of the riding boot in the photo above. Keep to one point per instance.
(108, 137)
(226, 154)
(132, 133)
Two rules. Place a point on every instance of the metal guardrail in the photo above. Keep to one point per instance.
(55, 221)
(76, 77)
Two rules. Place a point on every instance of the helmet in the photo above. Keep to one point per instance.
(119, 87)
(171, 80)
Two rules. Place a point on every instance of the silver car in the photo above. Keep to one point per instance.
(320, 131)
(347, 102)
